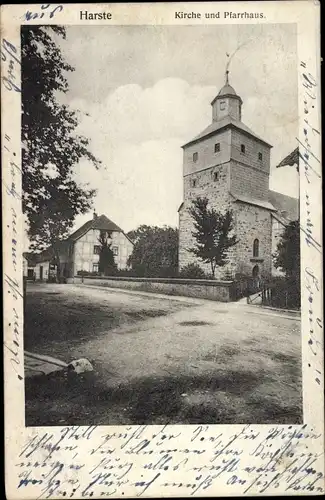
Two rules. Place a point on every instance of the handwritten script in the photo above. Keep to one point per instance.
(44, 11)
(13, 276)
(11, 66)
(310, 169)
(85, 462)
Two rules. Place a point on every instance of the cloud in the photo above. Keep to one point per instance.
(138, 132)
(170, 109)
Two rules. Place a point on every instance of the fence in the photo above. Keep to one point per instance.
(244, 286)
(283, 293)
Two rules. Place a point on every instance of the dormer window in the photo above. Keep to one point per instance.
(217, 147)
(242, 148)
(260, 156)
(195, 157)
(222, 105)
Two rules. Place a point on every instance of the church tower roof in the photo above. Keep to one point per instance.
(226, 91)
(226, 114)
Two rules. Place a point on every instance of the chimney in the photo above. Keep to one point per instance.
(94, 215)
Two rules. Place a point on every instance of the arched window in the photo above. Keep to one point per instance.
(255, 272)
(256, 245)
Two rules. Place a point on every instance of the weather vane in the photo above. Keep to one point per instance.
(230, 56)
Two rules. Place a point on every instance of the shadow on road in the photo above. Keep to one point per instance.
(227, 398)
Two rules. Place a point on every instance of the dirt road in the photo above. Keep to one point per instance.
(161, 359)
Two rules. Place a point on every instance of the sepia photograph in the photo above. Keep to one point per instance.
(160, 194)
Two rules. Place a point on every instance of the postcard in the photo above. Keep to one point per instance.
(162, 228)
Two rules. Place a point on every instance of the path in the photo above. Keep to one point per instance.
(158, 357)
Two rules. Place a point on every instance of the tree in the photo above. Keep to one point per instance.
(155, 251)
(212, 234)
(51, 149)
(287, 257)
(107, 264)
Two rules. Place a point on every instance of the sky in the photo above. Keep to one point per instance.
(143, 91)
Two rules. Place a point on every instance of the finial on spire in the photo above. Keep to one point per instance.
(227, 78)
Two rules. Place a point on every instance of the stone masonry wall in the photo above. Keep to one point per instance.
(207, 157)
(249, 182)
(204, 289)
(249, 175)
(216, 189)
(252, 148)
(253, 223)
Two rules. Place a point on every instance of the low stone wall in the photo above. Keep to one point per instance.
(222, 291)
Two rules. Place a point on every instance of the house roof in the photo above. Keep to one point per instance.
(226, 122)
(287, 206)
(100, 222)
(253, 201)
(35, 258)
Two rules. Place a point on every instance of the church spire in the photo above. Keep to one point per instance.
(227, 102)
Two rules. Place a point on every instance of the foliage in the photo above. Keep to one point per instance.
(287, 257)
(155, 252)
(285, 292)
(212, 234)
(192, 271)
(107, 264)
(51, 148)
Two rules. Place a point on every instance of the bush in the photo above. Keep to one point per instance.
(227, 276)
(88, 273)
(192, 271)
(126, 273)
(285, 292)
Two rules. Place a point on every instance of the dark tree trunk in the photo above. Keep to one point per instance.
(57, 263)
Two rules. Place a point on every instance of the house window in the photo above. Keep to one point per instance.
(193, 183)
(242, 148)
(260, 156)
(222, 105)
(95, 268)
(115, 250)
(105, 234)
(195, 157)
(96, 249)
(215, 176)
(256, 245)
(217, 147)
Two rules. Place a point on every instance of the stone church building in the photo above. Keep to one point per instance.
(230, 165)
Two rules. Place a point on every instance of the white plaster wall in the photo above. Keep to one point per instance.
(37, 269)
(84, 257)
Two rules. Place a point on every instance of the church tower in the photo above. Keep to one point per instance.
(226, 103)
(230, 165)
